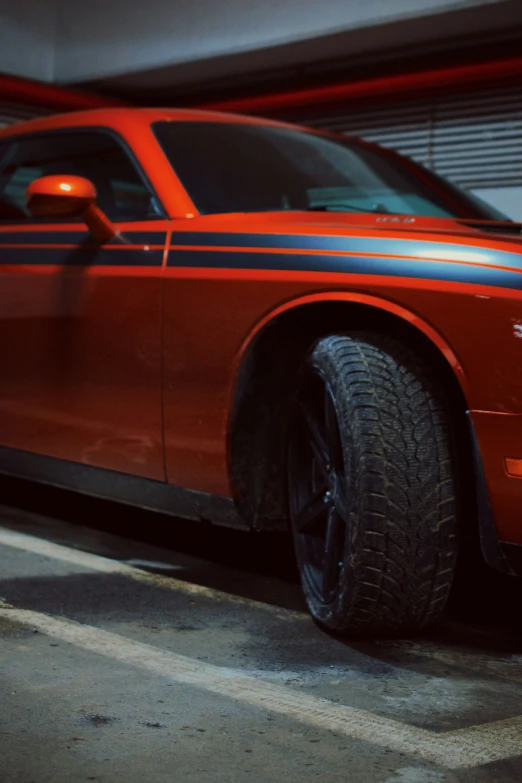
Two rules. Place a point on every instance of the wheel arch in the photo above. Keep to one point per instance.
(266, 367)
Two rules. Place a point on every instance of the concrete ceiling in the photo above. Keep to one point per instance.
(161, 48)
(383, 39)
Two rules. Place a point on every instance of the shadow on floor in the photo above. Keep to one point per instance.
(487, 604)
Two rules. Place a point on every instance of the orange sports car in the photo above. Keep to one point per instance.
(243, 321)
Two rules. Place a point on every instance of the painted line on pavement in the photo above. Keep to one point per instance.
(508, 669)
(105, 565)
(469, 747)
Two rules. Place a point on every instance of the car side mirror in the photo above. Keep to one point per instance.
(67, 196)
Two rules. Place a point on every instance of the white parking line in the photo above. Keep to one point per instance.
(464, 748)
(40, 546)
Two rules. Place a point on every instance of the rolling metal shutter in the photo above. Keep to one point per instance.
(473, 139)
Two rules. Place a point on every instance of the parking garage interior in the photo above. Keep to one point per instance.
(140, 648)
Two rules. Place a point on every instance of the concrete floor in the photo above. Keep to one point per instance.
(131, 667)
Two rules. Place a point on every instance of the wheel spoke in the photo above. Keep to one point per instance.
(332, 553)
(313, 511)
(319, 501)
(315, 437)
(340, 500)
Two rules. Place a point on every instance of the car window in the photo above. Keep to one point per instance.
(238, 167)
(122, 192)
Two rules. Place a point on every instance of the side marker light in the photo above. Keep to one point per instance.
(513, 467)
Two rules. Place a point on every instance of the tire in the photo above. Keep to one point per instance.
(372, 479)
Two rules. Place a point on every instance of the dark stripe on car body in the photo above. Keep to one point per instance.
(348, 264)
(54, 248)
(43, 238)
(381, 246)
(79, 256)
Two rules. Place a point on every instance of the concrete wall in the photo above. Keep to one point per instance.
(27, 38)
(507, 200)
(111, 37)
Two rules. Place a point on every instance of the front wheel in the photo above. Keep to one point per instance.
(372, 479)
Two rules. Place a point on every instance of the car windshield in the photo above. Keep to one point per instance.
(242, 167)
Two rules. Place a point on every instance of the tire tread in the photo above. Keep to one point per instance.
(403, 471)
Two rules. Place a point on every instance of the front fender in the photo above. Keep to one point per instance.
(385, 305)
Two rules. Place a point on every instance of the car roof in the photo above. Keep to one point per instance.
(116, 117)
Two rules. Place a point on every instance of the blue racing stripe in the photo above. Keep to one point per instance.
(80, 256)
(78, 237)
(350, 265)
(43, 237)
(415, 248)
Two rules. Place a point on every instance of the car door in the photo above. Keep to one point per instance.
(80, 322)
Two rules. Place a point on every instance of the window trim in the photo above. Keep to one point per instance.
(76, 130)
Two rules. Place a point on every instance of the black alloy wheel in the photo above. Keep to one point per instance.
(372, 482)
(319, 488)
